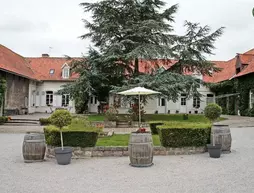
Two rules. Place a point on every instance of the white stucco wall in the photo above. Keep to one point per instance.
(93, 104)
(153, 104)
(31, 98)
(39, 104)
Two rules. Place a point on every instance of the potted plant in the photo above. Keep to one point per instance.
(213, 112)
(62, 118)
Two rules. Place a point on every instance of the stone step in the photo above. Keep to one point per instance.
(22, 124)
(24, 121)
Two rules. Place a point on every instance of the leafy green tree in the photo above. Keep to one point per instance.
(61, 118)
(125, 31)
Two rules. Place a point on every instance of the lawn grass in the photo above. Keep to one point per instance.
(121, 140)
(96, 117)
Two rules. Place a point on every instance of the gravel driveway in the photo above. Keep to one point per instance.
(233, 173)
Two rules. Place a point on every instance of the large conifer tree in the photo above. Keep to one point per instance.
(125, 31)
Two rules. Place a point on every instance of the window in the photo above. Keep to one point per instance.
(49, 98)
(196, 102)
(162, 102)
(66, 72)
(91, 100)
(95, 100)
(209, 99)
(183, 99)
(65, 100)
(52, 71)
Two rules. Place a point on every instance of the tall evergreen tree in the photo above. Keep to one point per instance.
(125, 31)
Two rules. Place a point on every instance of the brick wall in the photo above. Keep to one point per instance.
(17, 93)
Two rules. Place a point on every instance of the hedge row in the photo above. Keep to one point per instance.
(177, 134)
(45, 121)
(154, 125)
(3, 120)
(71, 138)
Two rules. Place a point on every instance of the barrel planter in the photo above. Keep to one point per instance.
(34, 147)
(222, 136)
(141, 149)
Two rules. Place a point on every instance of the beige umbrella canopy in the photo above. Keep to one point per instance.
(138, 91)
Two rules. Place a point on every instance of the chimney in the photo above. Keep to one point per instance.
(45, 55)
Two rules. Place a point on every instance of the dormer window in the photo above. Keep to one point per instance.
(66, 71)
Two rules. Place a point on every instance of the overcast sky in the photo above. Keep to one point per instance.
(31, 27)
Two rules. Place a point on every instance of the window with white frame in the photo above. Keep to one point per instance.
(183, 99)
(162, 102)
(93, 100)
(49, 98)
(209, 98)
(66, 72)
(196, 102)
(65, 100)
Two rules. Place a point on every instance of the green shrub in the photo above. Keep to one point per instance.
(61, 118)
(72, 137)
(45, 121)
(111, 114)
(3, 120)
(179, 134)
(153, 126)
(213, 111)
(251, 112)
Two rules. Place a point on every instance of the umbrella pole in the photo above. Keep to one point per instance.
(139, 113)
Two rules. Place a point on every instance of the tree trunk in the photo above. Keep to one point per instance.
(136, 67)
(61, 134)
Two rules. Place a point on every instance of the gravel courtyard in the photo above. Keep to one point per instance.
(191, 173)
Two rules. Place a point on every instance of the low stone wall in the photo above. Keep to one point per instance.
(81, 153)
(113, 124)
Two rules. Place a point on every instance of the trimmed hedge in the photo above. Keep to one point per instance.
(45, 121)
(3, 120)
(73, 138)
(153, 126)
(178, 134)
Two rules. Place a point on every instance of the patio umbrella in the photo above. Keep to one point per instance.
(138, 91)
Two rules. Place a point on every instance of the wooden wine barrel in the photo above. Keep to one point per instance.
(222, 136)
(34, 147)
(141, 149)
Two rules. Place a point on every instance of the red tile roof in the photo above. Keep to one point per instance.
(226, 73)
(247, 70)
(39, 67)
(43, 65)
(248, 59)
(146, 66)
(13, 62)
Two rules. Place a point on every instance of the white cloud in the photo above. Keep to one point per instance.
(30, 27)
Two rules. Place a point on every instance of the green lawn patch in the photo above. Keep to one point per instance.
(121, 140)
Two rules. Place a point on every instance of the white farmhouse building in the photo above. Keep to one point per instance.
(33, 82)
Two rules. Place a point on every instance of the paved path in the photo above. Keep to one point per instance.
(238, 121)
(233, 173)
